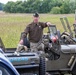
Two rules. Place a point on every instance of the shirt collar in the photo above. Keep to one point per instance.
(36, 23)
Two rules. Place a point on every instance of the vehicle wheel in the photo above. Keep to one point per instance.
(42, 70)
(74, 70)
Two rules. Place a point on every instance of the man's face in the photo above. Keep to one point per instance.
(36, 19)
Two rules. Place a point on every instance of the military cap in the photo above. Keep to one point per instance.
(36, 14)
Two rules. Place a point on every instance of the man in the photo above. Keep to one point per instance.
(35, 31)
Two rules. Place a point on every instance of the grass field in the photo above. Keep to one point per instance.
(11, 25)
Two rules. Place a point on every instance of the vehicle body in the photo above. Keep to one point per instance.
(6, 68)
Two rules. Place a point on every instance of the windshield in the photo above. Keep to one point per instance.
(53, 30)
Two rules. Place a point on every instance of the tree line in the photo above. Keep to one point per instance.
(41, 6)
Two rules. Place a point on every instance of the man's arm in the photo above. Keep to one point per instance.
(21, 42)
(45, 24)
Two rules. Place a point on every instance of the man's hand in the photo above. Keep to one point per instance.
(48, 23)
(21, 42)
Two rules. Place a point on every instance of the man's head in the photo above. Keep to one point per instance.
(36, 17)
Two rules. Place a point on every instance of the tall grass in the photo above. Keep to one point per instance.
(11, 25)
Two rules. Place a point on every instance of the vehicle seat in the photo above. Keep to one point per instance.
(25, 41)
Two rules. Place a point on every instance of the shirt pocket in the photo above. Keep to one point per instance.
(32, 29)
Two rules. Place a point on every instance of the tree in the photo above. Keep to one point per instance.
(9, 6)
(55, 3)
(72, 6)
(65, 8)
(55, 10)
(18, 7)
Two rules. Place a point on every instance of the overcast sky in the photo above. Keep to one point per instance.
(5, 1)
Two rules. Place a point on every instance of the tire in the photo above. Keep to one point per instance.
(42, 68)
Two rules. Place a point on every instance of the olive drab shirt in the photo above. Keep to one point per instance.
(35, 31)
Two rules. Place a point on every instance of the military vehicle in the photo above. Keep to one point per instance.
(61, 57)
